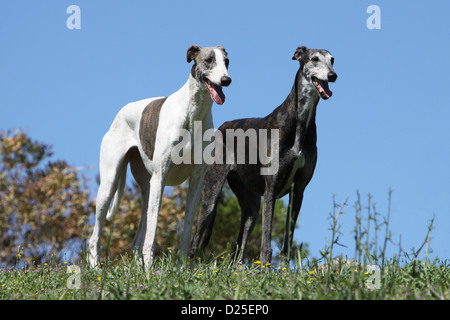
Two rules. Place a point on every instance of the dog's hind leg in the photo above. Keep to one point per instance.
(112, 164)
(211, 190)
(250, 204)
(117, 196)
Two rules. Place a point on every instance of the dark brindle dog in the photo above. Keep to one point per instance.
(295, 120)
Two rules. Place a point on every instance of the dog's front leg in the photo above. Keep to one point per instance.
(267, 216)
(157, 183)
(295, 203)
(192, 203)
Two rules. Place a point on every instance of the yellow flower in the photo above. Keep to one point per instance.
(267, 264)
(99, 278)
(200, 275)
(257, 262)
(19, 255)
(311, 272)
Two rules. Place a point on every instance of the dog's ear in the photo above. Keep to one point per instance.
(192, 52)
(299, 53)
(223, 49)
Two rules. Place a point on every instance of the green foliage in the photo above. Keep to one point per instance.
(43, 204)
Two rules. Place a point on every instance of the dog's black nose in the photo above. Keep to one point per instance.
(332, 76)
(225, 81)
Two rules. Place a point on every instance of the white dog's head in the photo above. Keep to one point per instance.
(210, 69)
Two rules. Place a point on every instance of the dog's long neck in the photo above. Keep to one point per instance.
(306, 98)
(200, 101)
(298, 113)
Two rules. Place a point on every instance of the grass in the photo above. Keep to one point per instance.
(220, 278)
(370, 275)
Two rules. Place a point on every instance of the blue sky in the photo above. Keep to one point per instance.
(386, 125)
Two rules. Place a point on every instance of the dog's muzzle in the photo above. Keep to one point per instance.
(322, 85)
(216, 90)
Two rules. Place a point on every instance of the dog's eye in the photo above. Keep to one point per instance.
(315, 59)
(332, 61)
(227, 62)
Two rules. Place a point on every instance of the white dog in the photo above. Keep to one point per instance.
(144, 134)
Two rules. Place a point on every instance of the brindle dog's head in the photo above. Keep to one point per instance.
(317, 68)
(210, 69)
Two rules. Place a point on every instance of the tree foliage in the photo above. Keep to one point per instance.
(44, 205)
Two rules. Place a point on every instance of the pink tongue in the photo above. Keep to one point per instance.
(324, 89)
(216, 92)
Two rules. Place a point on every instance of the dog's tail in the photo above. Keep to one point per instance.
(117, 196)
